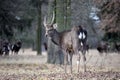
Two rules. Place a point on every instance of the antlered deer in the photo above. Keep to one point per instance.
(67, 40)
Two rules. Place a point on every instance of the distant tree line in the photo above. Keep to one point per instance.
(110, 19)
(17, 18)
(11, 17)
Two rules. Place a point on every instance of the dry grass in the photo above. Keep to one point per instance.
(31, 67)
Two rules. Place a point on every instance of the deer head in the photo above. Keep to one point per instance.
(49, 26)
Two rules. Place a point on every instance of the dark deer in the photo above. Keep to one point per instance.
(103, 47)
(67, 40)
(16, 47)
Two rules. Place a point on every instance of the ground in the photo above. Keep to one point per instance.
(28, 66)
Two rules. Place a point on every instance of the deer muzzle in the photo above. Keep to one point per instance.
(46, 34)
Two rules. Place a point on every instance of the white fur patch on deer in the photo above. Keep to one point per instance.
(82, 35)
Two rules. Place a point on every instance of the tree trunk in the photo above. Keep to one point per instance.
(51, 46)
(53, 50)
(62, 18)
(39, 30)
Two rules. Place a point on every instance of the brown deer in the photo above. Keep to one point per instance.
(67, 40)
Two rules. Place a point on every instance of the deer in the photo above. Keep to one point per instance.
(15, 48)
(68, 41)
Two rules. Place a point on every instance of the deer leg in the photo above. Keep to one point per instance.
(65, 61)
(103, 60)
(71, 55)
(78, 62)
(11, 52)
(84, 60)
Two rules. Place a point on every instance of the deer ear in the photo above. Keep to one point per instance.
(55, 25)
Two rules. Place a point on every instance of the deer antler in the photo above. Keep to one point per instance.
(45, 19)
(53, 17)
(44, 22)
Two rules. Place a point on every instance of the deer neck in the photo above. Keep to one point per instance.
(55, 37)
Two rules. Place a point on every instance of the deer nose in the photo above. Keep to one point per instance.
(46, 35)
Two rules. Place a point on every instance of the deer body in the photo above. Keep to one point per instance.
(66, 42)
